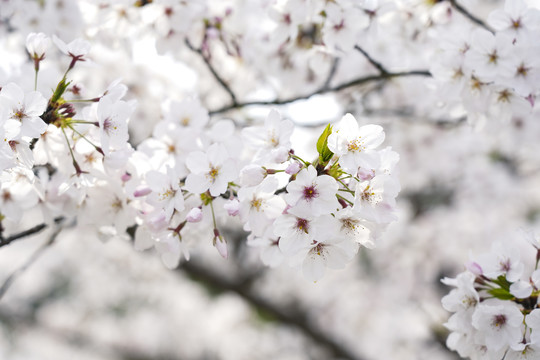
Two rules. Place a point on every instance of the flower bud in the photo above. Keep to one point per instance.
(37, 44)
(194, 215)
(220, 244)
(142, 191)
(233, 207)
(293, 168)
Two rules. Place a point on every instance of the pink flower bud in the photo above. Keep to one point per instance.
(233, 207)
(474, 267)
(220, 244)
(158, 222)
(194, 215)
(293, 168)
(142, 191)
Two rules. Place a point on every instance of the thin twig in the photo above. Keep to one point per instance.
(34, 230)
(355, 82)
(35, 256)
(470, 16)
(331, 74)
(372, 61)
(210, 67)
(294, 318)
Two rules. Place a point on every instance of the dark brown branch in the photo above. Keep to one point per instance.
(372, 61)
(34, 230)
(35, 256)
(210, 67)
(22, 234)
(470, 16)
(294, 317)
(355, 82)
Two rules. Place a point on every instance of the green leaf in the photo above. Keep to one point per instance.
(502, 282)
(322, 146)
(502, 294)
(60, 89)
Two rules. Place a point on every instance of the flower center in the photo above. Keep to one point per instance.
(256, 203)
(302, 225)
(355, 145)
(166, 194)
(498, 321)
(310, 192)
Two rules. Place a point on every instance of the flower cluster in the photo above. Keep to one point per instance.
(51, 146)
(493, 72)
(314, 214)
(73, 157)
(495, 304)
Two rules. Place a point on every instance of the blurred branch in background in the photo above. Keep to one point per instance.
(470, 16)
(33, 258)
(292, 316)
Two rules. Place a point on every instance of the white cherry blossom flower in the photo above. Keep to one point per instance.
(211, 171)
(329, 249)
(113, 124)
(500, 322)
(166, 193)
(36, 45)
(24, 111)
(316, 193)
(355, 145)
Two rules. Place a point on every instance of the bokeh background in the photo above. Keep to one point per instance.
(465, 184)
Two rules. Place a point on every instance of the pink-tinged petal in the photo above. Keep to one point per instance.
(474, 267)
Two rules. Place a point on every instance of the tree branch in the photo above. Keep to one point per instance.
(34, 230)
(470, 16)
(293, 318)
(35, 256)
(210, 67)
(372, 61)
(331, 74)
(355, 82)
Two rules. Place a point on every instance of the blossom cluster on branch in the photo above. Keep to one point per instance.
(495, 303)
(188, 174)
